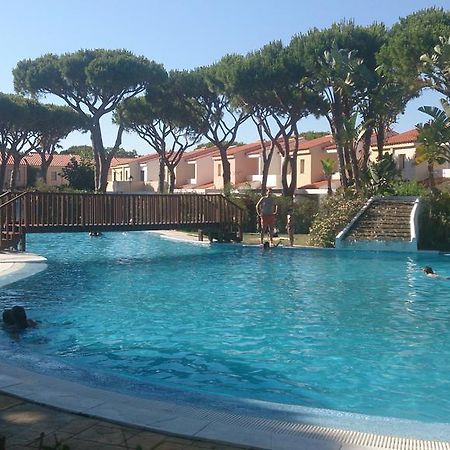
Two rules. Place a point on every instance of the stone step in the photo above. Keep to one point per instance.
(382, 225)
(383, 220)
(389, 210)
(379, 232)
(386, 222)
(379, 238)
(402, 235)
(383, 230)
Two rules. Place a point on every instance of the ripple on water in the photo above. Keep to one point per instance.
(360, 332)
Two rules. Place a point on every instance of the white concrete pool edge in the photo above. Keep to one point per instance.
(15, 266)
(201, 423)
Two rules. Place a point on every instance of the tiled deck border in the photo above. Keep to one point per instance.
(201, 423)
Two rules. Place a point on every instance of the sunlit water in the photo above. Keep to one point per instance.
(360, 332)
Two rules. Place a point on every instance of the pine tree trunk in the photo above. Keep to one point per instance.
(16, 167)
(102, 158)
(293, 164)
(98, 150)
(172, 180)
(45, 164)
(2, 174)
(284, 173)
(105, 162)
(226, 171)
(161, 176)
(265, 175)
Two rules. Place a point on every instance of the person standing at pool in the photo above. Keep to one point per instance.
(267, 210)
(290, 227)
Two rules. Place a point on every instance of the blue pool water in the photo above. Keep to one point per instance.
(359, 332)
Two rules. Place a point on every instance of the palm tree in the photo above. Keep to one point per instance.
(328, 170)
(434, 139)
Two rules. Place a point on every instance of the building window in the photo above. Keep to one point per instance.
(53, 176)
(302, 166)
(115, 176)
(219, 170)
(401, 161)
(142, 175)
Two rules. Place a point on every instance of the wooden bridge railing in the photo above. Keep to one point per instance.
(52, 212)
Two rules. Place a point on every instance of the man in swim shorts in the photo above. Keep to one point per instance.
(267, 210)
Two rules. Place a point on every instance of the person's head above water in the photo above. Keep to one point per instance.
(20, 316)
(428, 270)
(8, 318)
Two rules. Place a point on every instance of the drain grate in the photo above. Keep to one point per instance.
(315, 431)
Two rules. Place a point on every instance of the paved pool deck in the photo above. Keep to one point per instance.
(87, 417)
(22, 424)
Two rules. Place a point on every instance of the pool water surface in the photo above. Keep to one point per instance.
(351, 331)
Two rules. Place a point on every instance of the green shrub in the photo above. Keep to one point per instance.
(41, 186)
(434, 229)
(32, 175)
(247, 201)
(408, 188)
(335, 212)
(303, 211)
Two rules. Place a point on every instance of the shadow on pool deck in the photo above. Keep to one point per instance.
(22, 422)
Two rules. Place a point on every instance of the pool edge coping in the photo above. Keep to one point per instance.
(199, 422)
(19, 266)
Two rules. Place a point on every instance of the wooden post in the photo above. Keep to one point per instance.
(22, 245)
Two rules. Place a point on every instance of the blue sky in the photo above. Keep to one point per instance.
(182, 34)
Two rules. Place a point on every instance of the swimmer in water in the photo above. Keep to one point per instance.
(429, 272)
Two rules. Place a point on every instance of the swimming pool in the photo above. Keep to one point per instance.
(358, 332)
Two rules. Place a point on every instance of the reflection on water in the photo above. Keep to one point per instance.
(304, 327)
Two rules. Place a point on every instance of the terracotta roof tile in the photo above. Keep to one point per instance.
(318, 142)
(119, 161)
(407, 137)
(198, 153)
(140, 159)
(34, 159)
(253, 147)
(388, 134)
(10, 161)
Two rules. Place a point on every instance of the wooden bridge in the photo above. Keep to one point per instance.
(44, 212)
